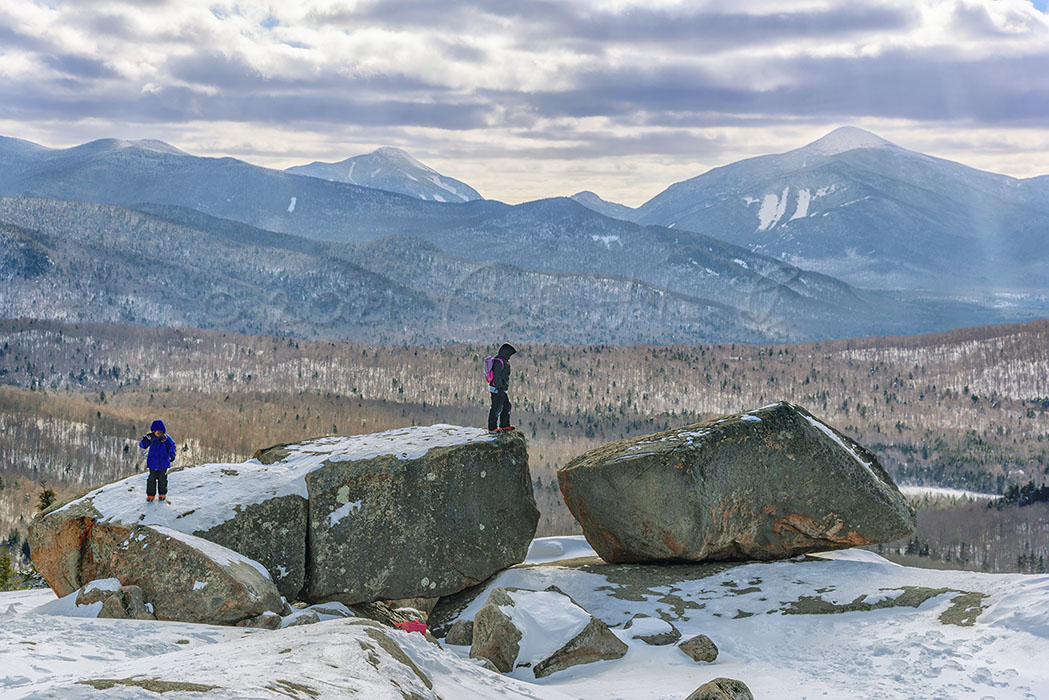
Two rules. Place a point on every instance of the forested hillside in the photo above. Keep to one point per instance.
(966, 409)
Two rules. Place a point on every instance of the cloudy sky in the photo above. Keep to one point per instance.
(525, 99)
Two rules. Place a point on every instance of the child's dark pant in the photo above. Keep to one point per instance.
(500, 413)
(158, 479)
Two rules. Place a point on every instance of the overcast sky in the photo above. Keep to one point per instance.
(523, 99)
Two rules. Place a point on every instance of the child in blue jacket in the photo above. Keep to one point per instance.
(161, 454)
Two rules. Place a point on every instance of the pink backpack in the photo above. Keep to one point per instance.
(489, 368)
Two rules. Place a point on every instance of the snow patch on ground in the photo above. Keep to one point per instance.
(549, 549)
(943, 492)
(894, 653)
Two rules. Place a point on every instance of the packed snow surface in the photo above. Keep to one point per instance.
(759, 614)
(200, 496)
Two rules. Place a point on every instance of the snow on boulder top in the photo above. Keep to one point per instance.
(210, 494)
(846, 138)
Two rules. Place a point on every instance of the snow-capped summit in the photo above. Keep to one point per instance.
(108, 145)
(845, 138)
(393, 170)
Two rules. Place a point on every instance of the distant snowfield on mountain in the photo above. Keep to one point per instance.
(840, 625)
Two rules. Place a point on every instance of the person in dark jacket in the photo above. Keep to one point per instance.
(499, 416)
(159, 458)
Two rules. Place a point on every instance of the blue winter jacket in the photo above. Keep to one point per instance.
(161, 451)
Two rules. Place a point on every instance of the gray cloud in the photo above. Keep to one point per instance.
(78, 66)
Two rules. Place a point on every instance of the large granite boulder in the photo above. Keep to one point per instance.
(545, 631)
(414, 513)
(766, 484)
(442, 512)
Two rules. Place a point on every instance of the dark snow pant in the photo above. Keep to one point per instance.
(500, 413)
(158, 479)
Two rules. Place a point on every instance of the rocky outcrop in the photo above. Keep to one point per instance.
(722, 689)
(428, 524)
(766, 484)
(432, 510)
(543, 630)
(700, 648)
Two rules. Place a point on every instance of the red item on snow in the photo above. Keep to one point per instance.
(412, 626)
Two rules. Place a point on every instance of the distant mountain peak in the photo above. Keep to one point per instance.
(112, 144)
(845, 138)
(594, 202)
(394, 170)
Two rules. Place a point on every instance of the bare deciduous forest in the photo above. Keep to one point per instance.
(965, 409)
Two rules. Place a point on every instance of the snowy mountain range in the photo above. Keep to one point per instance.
(393, 170)
(839, 625)
(818, 206)
(857, 207)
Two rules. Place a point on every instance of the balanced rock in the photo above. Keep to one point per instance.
(546, 631)
(766, 484)
(722, 689)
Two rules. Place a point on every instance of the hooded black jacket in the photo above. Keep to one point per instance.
(501, 370)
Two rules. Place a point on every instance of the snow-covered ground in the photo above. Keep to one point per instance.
(836, 626)
(943, 492)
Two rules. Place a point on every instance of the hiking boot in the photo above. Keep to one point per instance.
(494, 431)
(509, 427)
(149, 499)
(162, 497)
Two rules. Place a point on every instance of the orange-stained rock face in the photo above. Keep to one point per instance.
(767, 484)
(60, 549)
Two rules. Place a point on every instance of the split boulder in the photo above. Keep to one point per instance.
(766, 484)
(543, 630)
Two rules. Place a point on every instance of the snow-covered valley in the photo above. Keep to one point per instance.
(839, 625)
